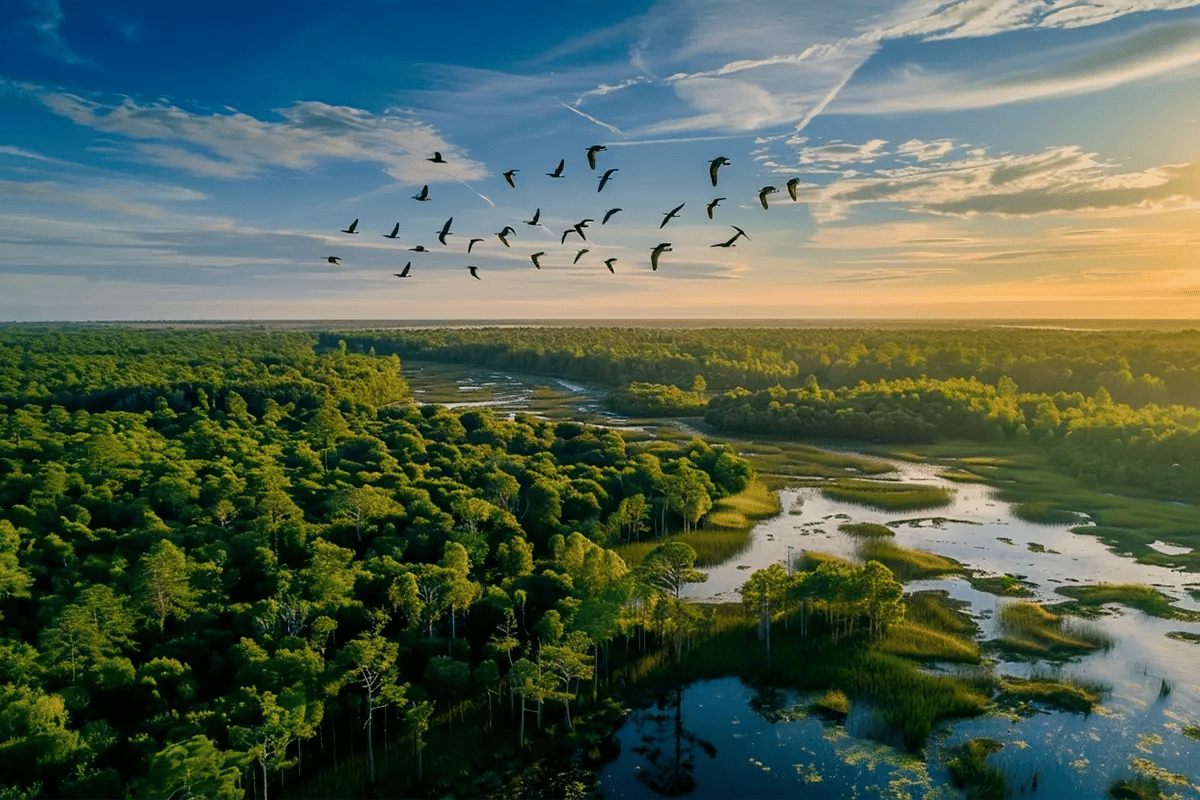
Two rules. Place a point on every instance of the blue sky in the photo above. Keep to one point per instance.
(960, 158)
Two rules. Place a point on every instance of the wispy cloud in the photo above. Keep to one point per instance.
(888, 274)
(938, 19)
(237, 145)
(46, 18)
(590, 118)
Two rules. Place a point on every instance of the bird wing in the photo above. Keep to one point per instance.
(740, 232)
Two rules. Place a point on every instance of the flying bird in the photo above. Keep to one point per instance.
(740, 233)
(508, 177)
(659, 249)
(437, 158)
(419, 249)
(579, 226)
(669, 215)
(762, 195)
(506, 232)
(567, 233)
(713, 205)
(535, 257)
(791, 187)
(608, 262)
(536, 216)
(353, 225)
(392, 235)
(475, 274)
(716, 164)
(471, 243)
(604, 179)
(579, 255)
(333, 259)
(596, 148)
(445, 231)
(558, 170)
(608, 215)
(403, 273)
(423, 194)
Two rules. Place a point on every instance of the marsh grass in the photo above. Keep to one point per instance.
(1184, 636)
(970, 772)
(866, 530)
(1052, 688)
(1003, 585)
(905, 564)
(809, 560)
(1028, 628)
(887, 496)
(833, 702)
(961, 476)
(725, 533)
(1135, 595)
(1044, 513)
(1139, 787)
(921, 643)
(935, 609)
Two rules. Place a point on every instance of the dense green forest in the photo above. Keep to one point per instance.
(222, 554)
(1135, 367)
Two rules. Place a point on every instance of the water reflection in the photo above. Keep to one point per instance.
(668, 746)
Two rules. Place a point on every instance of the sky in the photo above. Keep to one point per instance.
(978, 159)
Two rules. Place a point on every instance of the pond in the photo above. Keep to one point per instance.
(734, 751)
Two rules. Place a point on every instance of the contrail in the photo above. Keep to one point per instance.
(476, 191)
(819, 107)
(612, 128)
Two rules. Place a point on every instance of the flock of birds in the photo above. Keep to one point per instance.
(578, 228)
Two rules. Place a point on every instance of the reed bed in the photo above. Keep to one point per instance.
(905, 564)
(1135, 595)
(920, 643)
(887, 496)
(1031, 629)
(866, 530)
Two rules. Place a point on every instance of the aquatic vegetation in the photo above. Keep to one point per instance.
(866, 530)
(936, 609)
(1003, 585)
(970, 772)
(1070, 693)
(1029, 628)
(1044, 513)
(887, 496)
(1144, 598)
(833, 702)
(923, 644)
(908, 565)
(1140, 787)
(809, 560)
(961, 476)
(1192, 732)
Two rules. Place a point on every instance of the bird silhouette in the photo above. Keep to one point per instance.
(392, 235)
(558, 170)
(791, 187)
(608, 262)
(471, 243)
(579, 226)
(535, 257)
(445, 231)
(762, 195)
(423, 194)
(596, 148)
(659, 249)
(713, 205)
(437, 158)
(333, 259)
(404, 272)
(506, 232)
(605, 177)
(353, 225)
(608, 215)
(716, 164)
(419, 249)
(669, 215)
(536, 216)
(579, 255)
(475, 274)
(567, 233)
(508, 177)
(740, 233)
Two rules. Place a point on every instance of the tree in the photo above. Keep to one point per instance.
(765, 590)
(669, 566)
(371, 661)
(268, 741)
(194, 769)
(163, 586)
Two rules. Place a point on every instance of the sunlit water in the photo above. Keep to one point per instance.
(1070, 754)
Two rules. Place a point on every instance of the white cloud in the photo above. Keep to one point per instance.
(1016, 185)
(237, 145)
(938, 19)
(46, 19)
(837, 153)
(926, 151)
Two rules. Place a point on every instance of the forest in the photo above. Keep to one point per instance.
(222, 554)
